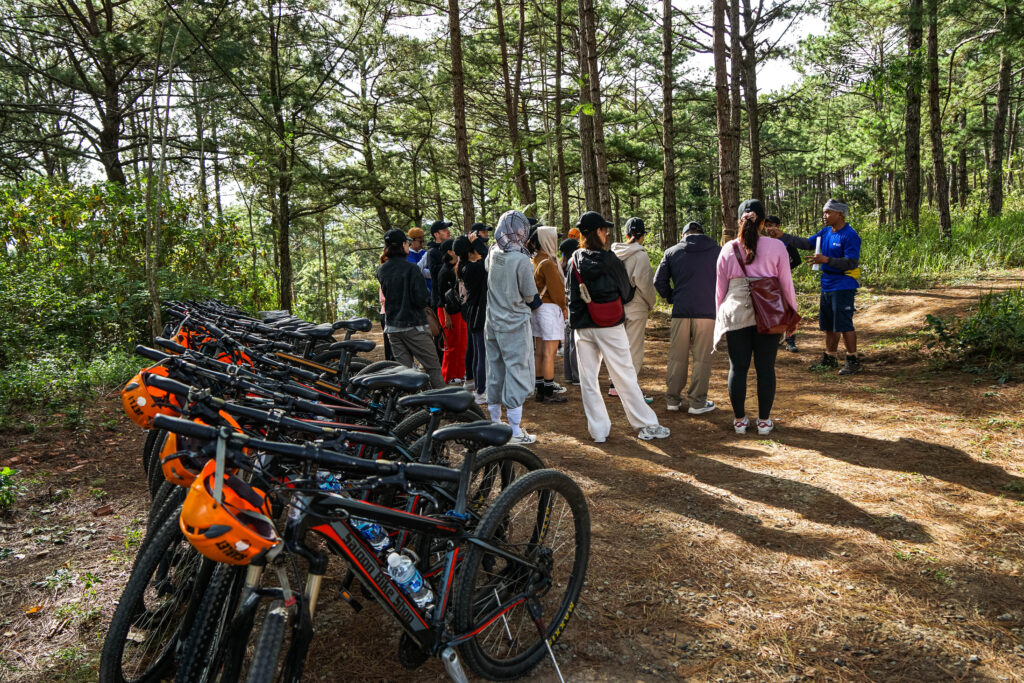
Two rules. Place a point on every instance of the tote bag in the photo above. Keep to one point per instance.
(771, 311)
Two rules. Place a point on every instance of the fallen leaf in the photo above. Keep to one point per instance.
(9, 634)
(33, 609)
(107, 509)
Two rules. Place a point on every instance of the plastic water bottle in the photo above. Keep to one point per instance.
(373, 533)
(327, 482)
(405, 574)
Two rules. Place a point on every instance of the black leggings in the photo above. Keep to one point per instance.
(763, 347)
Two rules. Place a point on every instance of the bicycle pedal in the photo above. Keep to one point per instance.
(410, 656)
(347, 597)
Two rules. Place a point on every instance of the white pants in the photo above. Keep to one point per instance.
(594, 344)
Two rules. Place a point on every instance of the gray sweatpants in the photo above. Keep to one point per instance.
(510, 366)
(418, 345)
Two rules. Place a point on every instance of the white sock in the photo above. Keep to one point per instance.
(515, 416)
(495, 410)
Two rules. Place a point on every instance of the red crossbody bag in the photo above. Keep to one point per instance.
(604, 315)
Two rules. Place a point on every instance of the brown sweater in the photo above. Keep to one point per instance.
(547, 274)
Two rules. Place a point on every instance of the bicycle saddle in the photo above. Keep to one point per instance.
(404, 379)
(449, 399)
(482, 431)
(355, 325)
(354, 345)
(317, 332)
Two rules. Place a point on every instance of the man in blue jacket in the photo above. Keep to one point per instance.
(840, 274)
(686, 277)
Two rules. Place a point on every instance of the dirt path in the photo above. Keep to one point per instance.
(876, 535)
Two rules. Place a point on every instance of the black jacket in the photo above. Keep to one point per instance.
(405, 293)
(474, 276)
(690, 265)
(446, 280)
(435, 259)
(606, 280)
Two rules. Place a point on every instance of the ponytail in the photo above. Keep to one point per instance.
(749, 226)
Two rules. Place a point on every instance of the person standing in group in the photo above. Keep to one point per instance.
(761, 257)
(772, 228)
(598, 285)
(686, 278)
(511, 296)
(570, 368)
(840, 274)
(473, 274)
(430, 267)
(479, 231)
(641, 277)
(405, 301)
(388, 355)
(548, 321)
(416, 250)
(453, 365)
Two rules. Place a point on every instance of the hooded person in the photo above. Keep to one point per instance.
(570, 367)
(597, 286)
(641, 276)
(453, 363)
(686, 278)
(511, 297)
(473, 275)
(548, 321)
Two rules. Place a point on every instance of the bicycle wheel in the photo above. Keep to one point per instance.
(414, 427)
(166, 504)
(264, 665)
(203, 649)
(155, 473)
(155, 608)
(147, 448)
(516, 607)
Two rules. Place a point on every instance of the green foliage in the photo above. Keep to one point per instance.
(63, 381)
(9, 488)
(991, 339)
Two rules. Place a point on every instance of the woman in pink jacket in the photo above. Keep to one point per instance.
(762, 257)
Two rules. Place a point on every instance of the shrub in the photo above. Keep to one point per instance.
(63, 381)
(991, 339)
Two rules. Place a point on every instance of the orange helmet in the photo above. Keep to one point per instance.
(143, 402)
(234, 531)
(179, 457)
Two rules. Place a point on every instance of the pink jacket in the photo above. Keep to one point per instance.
(771, 259)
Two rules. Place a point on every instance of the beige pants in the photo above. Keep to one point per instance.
(635, 328)
(689, 335)
(597, 344)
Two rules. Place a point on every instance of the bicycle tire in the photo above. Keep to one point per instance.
(529, 518)
(147, 449)
(412, 428)
(167, 503)
(155, 473)
(203, 647)
(263, 668)
(168, 568)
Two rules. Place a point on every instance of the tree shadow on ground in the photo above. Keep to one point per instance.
(903, 455)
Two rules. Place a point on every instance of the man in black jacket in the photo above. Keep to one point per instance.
(430, 267)
(686, 277)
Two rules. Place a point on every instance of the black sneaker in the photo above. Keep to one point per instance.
(791, 347)
(827, 362)
(851, 366)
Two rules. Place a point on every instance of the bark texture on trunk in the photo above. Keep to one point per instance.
(750, 100)
(588, 165)
(727, 172)
(594, 81)
(995, 170)
(459, 109)
(912, 118)
(563, 181)
(668, 197)
(935, 121)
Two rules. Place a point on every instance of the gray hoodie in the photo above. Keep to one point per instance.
(641, 276)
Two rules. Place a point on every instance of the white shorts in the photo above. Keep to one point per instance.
(547, 323)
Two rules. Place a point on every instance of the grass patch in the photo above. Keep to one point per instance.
(990, 340)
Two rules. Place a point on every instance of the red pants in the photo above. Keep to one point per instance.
(454, 364)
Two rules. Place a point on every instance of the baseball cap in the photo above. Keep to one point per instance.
(461, 246)
(591, 221)
(754, 205)
(693, 226)
(635, 227)
(439, 225)
(394, 238)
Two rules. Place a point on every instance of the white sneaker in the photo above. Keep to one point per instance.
(740, 425)
(765, 426)
(708, 407)
(455, 380)
(559, 389)
(524, 439)
(481, 399)
(601, 440)
(674, 407)
(654, 432)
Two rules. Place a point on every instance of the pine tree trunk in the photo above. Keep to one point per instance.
(512, 100)
(935, 121)
(912, 159)
(995, 171)
(668, 195)
(962, 162)
(735, 85)
(588, 167)
(216, 170)
(459, 109)
(563, 181)
(750, 98)
(727, 170)
(594, 80)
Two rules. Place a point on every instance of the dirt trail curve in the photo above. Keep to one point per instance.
(876, 535)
